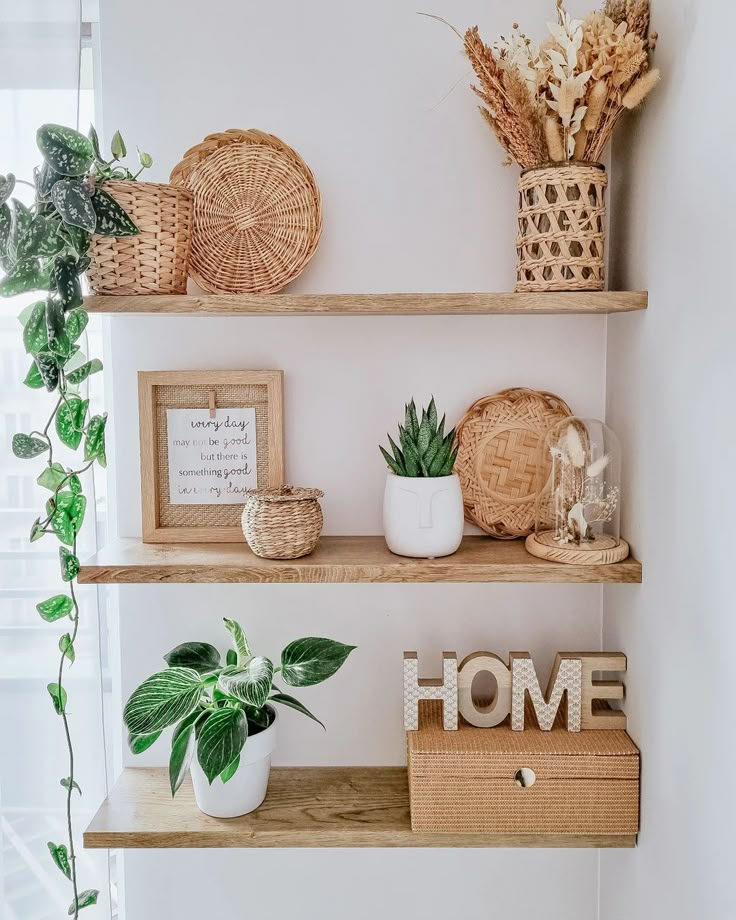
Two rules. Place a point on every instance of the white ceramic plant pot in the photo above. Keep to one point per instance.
(246, 790)
(423, 517)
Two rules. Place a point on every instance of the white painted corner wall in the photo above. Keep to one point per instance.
(415, 198)
(671, 384)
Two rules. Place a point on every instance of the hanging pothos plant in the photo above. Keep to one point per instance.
(44, 248)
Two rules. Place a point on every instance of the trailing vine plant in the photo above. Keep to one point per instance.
(44, 247)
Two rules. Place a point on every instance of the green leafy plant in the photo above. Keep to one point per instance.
(44, 247)
(425, 450)
(217, 707)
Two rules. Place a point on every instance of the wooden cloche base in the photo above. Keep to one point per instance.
(606, 551)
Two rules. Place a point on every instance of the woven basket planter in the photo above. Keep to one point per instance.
(156, 260)
(561, 235)
(282, 523)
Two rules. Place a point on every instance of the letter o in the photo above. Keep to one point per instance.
(495, 712)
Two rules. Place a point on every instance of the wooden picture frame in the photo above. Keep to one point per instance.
(166, 522)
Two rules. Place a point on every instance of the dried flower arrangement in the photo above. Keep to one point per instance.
(560, 101)
(582, 498)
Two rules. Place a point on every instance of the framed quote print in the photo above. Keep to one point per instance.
(206, 438)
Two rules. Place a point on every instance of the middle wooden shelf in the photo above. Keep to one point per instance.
(339, 560)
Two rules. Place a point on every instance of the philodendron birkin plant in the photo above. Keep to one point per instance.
(422, 503)
(224, 717)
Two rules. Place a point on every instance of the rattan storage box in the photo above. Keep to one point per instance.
(464, 781)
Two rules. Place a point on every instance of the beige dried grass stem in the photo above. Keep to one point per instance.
(639, 90)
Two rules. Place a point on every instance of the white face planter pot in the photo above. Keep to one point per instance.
(246, 790)
(423, 516)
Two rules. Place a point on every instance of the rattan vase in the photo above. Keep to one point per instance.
(282, 523)
(156, 260)
(562, 214)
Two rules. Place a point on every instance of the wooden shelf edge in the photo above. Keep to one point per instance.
(309, 807)
(340, 560)
(417, 304)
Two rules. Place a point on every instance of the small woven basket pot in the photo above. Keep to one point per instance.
(156, 260)
(562, 213)
(282, 523)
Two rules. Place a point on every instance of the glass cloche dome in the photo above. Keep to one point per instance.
(578, 508)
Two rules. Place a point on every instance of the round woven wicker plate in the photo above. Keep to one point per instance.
(257, 212)
(500, 439)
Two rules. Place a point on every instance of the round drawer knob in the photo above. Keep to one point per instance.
(525, 777)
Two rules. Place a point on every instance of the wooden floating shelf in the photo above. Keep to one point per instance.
(338, 560)
(305, 807)
(594, 302)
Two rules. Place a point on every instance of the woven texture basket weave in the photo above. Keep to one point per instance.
(561, 234)
(463, 781)
(257, 212)
(282, 523)
(500, 442)
(155, 261)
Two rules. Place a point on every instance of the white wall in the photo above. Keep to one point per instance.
(415, 199)
(670, 397)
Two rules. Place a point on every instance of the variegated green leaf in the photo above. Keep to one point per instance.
(26, 447)
(7, 184)
(26, 276)
(6, 222)
(94, 444)
(66, 647)
(70, 419)
(65, 277)
(117, 146)
(230, 771)
(82, 373)
(293, 703)
(60, 857)
(200, 656)
(58, 697)
(162, 700)
(52, 477)
(140, 743)
(76, 323)
(240, 643)
(182, 750)
(46, 177)
(69, 564)
(47, 368)
(65, 150)
(221, 739)
(112, 218)
(309, 661)
(74, 203)
(35, 336)
(249, 683)
(56, 607)
(84, 899)
(33, 378)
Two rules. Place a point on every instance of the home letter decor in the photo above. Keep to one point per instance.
(603, 718)
(416, 688)
(566, 676)
(484, 716)
(572, 673)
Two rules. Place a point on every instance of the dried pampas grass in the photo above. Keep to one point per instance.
(562, 99)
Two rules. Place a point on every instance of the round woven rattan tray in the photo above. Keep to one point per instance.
(500, 439)
(257, 212)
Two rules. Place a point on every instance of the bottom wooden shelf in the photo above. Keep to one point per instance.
(305, 807)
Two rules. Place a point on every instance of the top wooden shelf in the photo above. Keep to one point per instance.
(594, 302)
